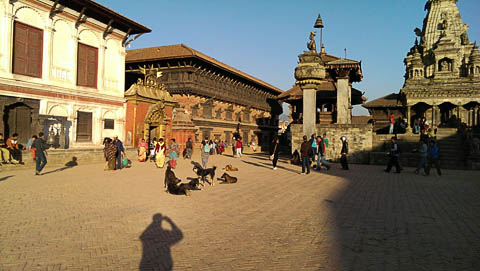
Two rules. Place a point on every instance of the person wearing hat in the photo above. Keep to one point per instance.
(120, 151)
(305, 154)
(344, 153)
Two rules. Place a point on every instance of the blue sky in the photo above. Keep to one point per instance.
(264, 37)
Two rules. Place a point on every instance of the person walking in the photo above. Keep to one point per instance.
(313, 142)
(189, 149)
(160, 153)
(321, 150)
(433, 158)
(110, 153)
(305, 153)
(120, 151)
(392, 123)
(173, 152)
(422, 151)
(394, 155)
(40, 155)
(274, 156)
(238, 147)
(344, 153)
(205, 152)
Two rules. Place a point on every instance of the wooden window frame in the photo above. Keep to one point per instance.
(95, 84)
(40, 59)
(106, 124)
(84, 137)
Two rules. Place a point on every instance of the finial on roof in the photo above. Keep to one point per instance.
(318, 22)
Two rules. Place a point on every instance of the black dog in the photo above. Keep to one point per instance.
(172, 184)
(194, 183)
(228, 179)
(204, 172)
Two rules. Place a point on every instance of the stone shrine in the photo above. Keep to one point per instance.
(442, 74)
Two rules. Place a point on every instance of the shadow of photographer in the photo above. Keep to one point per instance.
(156, 243)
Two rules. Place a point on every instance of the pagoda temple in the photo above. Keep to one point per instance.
(442, 74)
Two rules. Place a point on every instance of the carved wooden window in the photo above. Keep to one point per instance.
(246, 116)
(228, 115)
(207, 109)
(84, 126)
(27, 50)
(87, 66)
(109, 124)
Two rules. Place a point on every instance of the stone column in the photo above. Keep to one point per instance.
(309, 109)
(343, 97)
(435, 116)
(475, 116)
(409, 118)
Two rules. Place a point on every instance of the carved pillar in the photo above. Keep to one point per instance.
(435, 116)
(475, 116)
(134, 137)
(459, 118)
(343, 97)
(409, 129)
(309, 109)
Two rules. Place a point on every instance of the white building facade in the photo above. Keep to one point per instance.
(62, 70)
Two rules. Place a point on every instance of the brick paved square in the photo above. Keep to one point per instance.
(364, 219)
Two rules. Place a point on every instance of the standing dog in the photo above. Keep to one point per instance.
(202, 173)
(172, 184)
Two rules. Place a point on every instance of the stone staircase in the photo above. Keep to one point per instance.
(452, 153)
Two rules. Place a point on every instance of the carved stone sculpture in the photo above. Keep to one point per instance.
(311, 45)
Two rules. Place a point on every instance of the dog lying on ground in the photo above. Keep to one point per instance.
(195, 183)
(228, 179)
(202, 173)
(230, 168)
(172, 184)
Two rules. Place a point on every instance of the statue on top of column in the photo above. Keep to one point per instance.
(311, 45)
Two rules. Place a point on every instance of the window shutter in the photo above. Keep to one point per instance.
(82, 65)
(84, 126)
(27, 52)
(87, 66)
(34, 54)
(20, 48)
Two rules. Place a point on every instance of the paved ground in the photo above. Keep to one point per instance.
(83, 218)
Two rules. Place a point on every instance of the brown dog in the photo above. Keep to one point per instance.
(228, 179)
(230, 168)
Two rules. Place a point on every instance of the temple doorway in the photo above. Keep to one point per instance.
(448, 117)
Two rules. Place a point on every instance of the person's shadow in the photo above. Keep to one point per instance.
(156, 242)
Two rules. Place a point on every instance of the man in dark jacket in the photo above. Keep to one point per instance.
(40, 155)
(394, 155)
(433, 158)
(305, 153)
(120, 151)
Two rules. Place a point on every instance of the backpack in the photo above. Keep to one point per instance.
(206, 148)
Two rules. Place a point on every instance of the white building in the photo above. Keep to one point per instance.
(62, 70)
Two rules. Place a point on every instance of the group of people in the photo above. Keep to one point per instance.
(114, 152)
(158, 151)
(428, 152)
(315, 150)
(11, 151)
(420, 125)
(397, 126)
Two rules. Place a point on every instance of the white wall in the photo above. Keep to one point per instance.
(60, 45)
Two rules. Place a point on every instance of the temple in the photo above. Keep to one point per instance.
(215, 100)
(442, 74)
